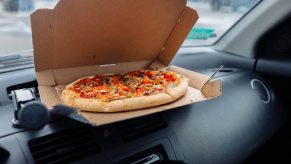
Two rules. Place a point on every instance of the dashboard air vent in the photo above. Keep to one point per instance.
(261, 90)
(64, 147)
(133, 129)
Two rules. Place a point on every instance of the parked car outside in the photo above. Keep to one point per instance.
(18, 5)
(235, 5)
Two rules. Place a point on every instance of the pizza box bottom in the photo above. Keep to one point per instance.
(201, 88)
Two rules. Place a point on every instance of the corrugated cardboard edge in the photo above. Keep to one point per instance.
(185, 23)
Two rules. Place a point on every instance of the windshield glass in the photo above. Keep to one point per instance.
(15, 31)
(216, 17)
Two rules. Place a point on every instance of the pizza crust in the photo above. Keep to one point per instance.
(122, 105)
(179, 90)
(70, 98)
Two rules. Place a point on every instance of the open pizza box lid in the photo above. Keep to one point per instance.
(86, 37)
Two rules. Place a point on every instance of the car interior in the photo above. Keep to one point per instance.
(248, 123)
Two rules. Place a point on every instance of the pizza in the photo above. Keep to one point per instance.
(123, 92)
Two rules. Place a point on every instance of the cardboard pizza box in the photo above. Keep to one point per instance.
(86, 37)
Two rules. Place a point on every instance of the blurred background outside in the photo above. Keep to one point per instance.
(216, 17)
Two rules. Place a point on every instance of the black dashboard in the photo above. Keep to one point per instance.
(227, 129)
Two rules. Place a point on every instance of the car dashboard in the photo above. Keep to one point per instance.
(227, 129)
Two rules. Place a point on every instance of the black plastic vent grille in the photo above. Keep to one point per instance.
(134, 129)
(64, 147)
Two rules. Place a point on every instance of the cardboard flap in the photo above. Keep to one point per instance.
(196, 80)
(46, 78)
(49, 96)
(94, 32)
(212, 89)
(177, 37)
(42, 38)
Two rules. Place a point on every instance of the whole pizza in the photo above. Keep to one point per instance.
(123, 92)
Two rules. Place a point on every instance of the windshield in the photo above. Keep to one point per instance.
(216, 17)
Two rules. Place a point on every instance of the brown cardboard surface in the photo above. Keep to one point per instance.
(193, 95)
(196, 80)
(45, 78)
(67, 75)
(83, 32)
(86, 37)
(177, 37)
(50, 96)
(212, 89)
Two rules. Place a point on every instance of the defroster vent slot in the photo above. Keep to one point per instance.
(64, 147)
(134, 129)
